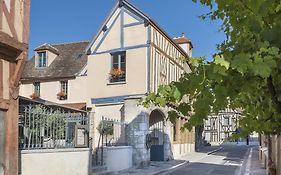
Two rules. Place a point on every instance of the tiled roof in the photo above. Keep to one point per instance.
(70, 61)
(183, 40)
(47, 47)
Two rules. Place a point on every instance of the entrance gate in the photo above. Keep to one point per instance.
(157, 135)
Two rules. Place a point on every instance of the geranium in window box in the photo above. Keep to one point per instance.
(61, 95)
(34, 95)
(116, 72)
(117, 75)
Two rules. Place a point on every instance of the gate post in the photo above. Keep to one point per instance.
(137, 129)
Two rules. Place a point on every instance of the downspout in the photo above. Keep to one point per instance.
(148, 56)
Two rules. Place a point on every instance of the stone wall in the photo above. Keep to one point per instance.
(136, 136)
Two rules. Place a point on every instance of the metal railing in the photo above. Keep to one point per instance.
(42, 127)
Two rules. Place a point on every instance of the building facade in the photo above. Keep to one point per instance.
(219, 127)
(129, 57)
(57, 73)
(14, 33)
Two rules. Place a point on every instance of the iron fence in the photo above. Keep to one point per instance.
(42, 127)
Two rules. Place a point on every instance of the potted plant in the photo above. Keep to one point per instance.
(61, 95)
(271, 167)
(34, 95)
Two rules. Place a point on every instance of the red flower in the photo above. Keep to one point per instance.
(116, 72)
(34, 95)
(61, 94)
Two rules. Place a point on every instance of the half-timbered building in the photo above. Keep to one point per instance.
(131, 56)
(14, 32)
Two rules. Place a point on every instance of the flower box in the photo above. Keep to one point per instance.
(34, 95)
(117, 75)
(61, 95)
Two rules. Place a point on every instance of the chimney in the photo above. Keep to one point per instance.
(184, 43)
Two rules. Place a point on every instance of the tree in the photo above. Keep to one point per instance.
(245, 73)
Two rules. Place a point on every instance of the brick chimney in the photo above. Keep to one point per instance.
(184, 43)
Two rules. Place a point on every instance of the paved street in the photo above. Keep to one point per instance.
(230, 160)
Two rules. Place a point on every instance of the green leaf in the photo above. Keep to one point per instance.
(260, 68)
(173, 116)
(242, 63)
(184, 108)
(219, 60)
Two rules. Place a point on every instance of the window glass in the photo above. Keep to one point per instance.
(115, 61)
(42, 62)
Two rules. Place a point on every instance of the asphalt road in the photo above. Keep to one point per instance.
(227, 161)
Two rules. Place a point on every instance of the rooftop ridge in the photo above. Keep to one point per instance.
(71, 42)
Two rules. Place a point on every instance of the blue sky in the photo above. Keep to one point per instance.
(60, 21)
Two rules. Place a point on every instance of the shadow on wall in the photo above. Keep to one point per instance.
(146, 133)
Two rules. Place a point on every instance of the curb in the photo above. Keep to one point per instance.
(216, 150)
(171, 168)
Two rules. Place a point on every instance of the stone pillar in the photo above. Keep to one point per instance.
(168, 153)
(137, 129)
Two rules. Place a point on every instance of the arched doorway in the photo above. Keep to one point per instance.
(157, 135)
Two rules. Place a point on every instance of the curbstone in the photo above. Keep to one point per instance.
(170, 169)
(216, 150)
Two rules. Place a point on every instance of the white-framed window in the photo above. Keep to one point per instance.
(118, 68)
(63, 90)
(36, 88)
(226, 121)
(42, 59)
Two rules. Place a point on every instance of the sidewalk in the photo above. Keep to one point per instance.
(156, 168)
(252, 164)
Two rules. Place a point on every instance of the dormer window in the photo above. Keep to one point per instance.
(42, 59)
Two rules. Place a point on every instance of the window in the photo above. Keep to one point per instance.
(36, 86)
(118, 70)
(42, 59)
(64, 90)
(226, 121)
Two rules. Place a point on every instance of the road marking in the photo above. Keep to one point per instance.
(248, 166)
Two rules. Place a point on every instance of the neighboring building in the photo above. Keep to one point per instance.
(128, 58)
(57, 73)
(14, 33)
(219, 127)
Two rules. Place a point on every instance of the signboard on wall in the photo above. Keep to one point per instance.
(81, 136)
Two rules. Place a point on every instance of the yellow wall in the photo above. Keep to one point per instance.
(77, 92)
(99, 67)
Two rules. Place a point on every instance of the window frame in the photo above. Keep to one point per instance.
(42, 61)
(122, 77)
(64, 89)
(37, 87)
